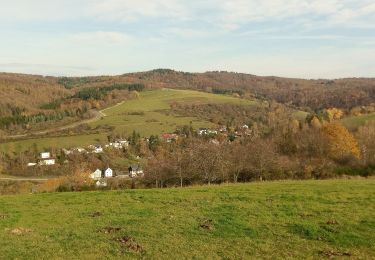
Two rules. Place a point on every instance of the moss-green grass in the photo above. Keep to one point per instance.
(353, 122)
(150, 118)
(302, 219)
(151, 111)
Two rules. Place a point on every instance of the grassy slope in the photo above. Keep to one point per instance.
(151, 103)
(353, 122)
(152, 122)
(268, 220)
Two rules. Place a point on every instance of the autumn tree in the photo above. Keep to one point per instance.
(341, 142)
(366, 138)
(263, 158)
(334, 114)
(209, 161)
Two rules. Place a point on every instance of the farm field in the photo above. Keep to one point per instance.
(290, 219)
(146, 115)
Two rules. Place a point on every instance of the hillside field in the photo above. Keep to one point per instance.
(353, 122)
(147, 115)
(291, 219)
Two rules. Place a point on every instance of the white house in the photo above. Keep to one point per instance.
(98, 149)
(49, 161)
(124, 143)
(45, 155)
(96, 175)
(206, 131)
(108, 173)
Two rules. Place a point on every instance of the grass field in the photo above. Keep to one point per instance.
(146, 115)
(353, 122)
(302, 219)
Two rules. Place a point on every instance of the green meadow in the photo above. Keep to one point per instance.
(271, 220)
(148, 115)
(353, 122)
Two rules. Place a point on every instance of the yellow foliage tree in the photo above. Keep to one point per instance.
(341, 142)
(334, 114)
(75, 181)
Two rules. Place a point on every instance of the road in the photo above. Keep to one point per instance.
(97, 116)
(23, 179)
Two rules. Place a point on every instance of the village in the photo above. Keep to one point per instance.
(100, 176)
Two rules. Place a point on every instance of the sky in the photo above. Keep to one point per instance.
(289, 38)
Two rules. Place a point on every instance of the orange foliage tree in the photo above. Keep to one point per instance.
(341, 143)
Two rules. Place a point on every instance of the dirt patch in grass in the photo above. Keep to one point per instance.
(332, 253)
(332, 222)
(20, 231)
(207, 224)
(96, 214)
(130, 244)
(3, 216)
(109, 230)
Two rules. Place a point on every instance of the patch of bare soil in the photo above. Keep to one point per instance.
(332, 253)
(332, 222)
(96, 214)
(109, 230)
(3, 216)
(207, 224)
(130, 243)
(20, 231)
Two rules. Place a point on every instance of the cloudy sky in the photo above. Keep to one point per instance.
(292, 38)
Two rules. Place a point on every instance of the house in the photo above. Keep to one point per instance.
(45, 155)
(98, 149)
(96, 175)
(119, 144)
(46, 162)
(206, 131)
(45, 159)
(108, 173)
(124, 143)
(101, 183)
(135, 170)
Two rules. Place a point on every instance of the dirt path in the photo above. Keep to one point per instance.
(97, 116)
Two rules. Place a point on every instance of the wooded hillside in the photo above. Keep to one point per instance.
(29, 99)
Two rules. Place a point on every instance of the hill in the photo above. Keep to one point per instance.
(149, 114)
(34, 91)
(305, 219)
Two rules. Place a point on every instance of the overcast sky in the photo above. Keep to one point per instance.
(291, 38)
